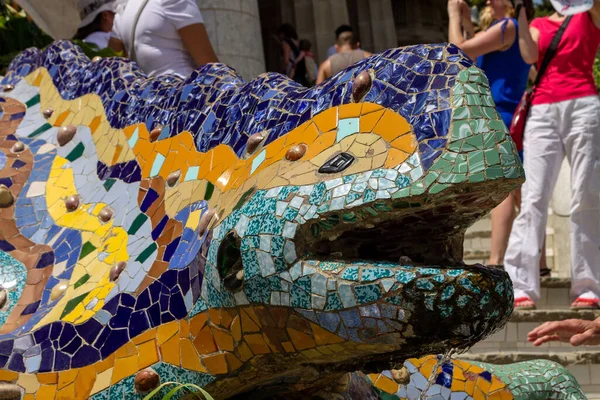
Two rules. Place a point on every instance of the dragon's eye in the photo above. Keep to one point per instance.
(337, 163)
(229, 262)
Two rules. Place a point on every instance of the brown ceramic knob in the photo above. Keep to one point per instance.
(9, 87)
(205, 220)
(146, 380)
(173, 178)
(116, 270)
(361, 85)
(3, 297)
(6, 197)
(18, 147)
(65, 134)
(59, 289)
(253, 142)
(106, 214)
(96, 59)
(296, 152)
(401, 376)
(155, 133)
(72, 202)
(10, 391)
(47, 113)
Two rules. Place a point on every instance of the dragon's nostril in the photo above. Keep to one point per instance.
(337, 163)
(229, 262)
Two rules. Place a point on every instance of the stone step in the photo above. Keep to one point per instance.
(584, 365)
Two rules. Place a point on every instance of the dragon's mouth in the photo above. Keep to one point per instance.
(416, 232)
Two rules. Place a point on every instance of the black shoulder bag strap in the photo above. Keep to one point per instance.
(551, 50)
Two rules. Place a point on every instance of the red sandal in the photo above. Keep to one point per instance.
(524, 303)
(585, 304)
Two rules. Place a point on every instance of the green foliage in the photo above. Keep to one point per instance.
(597, 70)
(91, 50)
(17, 33)
(197, 390)
(543, 9)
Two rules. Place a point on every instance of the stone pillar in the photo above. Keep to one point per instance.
(327, 16)
(382, 25)
(234, 30)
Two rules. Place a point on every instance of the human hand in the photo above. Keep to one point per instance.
(465, 12)
(455, 8)
(575, 331)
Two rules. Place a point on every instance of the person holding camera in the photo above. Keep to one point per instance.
(564, 119)
(500, 51)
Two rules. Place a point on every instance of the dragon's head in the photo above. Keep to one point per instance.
(354, 220)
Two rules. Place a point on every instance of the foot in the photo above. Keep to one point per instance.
(586, 304)
(524, 303)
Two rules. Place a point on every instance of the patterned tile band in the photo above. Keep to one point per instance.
(242, 236)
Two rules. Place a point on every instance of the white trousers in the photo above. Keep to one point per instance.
(570, 128)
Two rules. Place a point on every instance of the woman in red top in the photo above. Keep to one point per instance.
(564, 120)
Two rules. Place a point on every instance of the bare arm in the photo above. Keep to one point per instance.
(527, 43)
(117, 46)
(595, 13)
(195, 39)
(491, 40)
(324, 71)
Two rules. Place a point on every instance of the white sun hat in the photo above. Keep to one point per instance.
(89, 9)
(571, 7)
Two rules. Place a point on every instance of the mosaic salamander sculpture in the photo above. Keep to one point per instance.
(253, 238)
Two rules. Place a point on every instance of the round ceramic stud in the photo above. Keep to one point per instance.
(116, 270)
(173, 178)
(10, 391)
(6, 197)
(296, 152)
(146, 380)
(47, 113)
(65, 134)
(72, 203)
(3, 297)
(9, 87)
(205, 220)
(253, 142)
(155, 133)
(106, 214)
(401, 376)
(59, 290)
(361, 85)
(18, 147)
(96, 59)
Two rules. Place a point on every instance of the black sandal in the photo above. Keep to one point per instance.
(545, 272)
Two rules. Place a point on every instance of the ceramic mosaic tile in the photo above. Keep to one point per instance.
(461, 380)
(234, 234)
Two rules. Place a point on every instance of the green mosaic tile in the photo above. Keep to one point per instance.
(33, 101)
(71, 304)
(109, 183)
(86, 249)
(76, 152)
(81, 281)
(473, 100)
(148, 251)
(492, 157)
(438, 187)
(137, 224)
(210, 188)
(40, 130)
(476, 162)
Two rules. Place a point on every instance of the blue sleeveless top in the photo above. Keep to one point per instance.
(507, 72)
